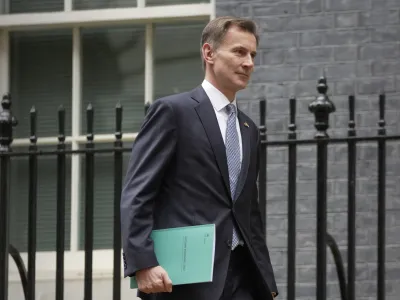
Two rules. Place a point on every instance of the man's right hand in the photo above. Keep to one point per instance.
(153, 280)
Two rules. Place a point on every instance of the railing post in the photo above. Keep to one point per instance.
(89, 205)
(32, 199)
(60, 226)
(292, 178)
(7, 121)
(321, 107)
(118, 164)
(262, 178)
(351, 214)
(381, 198)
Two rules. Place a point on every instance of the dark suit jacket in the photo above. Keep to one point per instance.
(178, 176)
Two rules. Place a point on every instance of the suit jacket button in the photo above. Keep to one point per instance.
(229, 243)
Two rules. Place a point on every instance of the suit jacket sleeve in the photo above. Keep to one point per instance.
(258, 231)
(151, 153)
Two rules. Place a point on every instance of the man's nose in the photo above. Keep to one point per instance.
(249, 61)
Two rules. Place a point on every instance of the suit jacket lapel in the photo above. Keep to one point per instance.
(207, 116)
(245, 132)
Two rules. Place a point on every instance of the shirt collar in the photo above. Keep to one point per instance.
(218, 99)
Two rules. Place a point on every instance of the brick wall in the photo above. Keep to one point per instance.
(356, 44)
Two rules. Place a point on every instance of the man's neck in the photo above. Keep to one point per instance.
(228, 94)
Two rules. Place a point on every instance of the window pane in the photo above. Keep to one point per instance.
(41, 76)
(113, 71)
(25, 6)
(46, 201)
(103, 223)
(97, 4)
(172, 2)
(177, 57)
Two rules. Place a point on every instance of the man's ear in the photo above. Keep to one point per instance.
(208, 53)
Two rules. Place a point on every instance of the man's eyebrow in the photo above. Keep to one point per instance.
(244, 48)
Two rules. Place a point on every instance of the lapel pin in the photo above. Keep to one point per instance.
(245, 124)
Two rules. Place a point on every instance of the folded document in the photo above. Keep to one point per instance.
(186, 253)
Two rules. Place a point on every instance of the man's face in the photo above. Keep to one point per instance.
(233, 60)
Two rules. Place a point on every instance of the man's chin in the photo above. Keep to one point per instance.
(242, 85)
(239, 85)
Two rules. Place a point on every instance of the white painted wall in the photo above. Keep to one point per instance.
(73, 289)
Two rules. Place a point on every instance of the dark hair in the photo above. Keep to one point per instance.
(215, 30)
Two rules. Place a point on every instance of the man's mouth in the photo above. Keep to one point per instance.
(247, 76)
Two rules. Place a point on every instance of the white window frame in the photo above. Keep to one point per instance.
(74, 20)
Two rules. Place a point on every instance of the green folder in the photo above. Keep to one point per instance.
(186, 253)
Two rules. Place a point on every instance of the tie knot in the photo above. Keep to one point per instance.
(230, 108)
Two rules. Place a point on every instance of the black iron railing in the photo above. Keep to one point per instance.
(321, 107)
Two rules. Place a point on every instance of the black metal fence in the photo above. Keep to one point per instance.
(321, 107)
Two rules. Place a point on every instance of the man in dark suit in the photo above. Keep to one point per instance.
(195, 161)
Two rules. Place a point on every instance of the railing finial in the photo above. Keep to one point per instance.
(321, 107)
(7, 122)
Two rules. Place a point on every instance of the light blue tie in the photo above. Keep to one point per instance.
(233, 157)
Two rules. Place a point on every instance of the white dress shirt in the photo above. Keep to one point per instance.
(219, 102)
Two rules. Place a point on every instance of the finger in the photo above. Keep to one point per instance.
(158, 286)
(158, 289)
(167, 282)
(144, 289)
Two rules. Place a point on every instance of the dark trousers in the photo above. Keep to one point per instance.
(242, 280)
